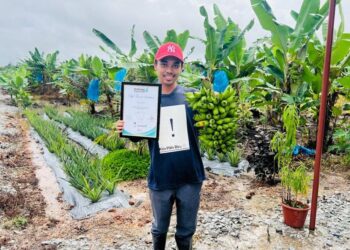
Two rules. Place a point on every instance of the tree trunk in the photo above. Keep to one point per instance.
(328, 129)
(92, 108)
(110, 104)
(328, 133)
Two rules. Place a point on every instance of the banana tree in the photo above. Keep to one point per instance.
(154, 42)
(42, 68)
(119, 61)
(285, 70)
(225, 46)
(72, 85)
(339, 76)
(227, 60)
(76, 75)
(96, 71)
(15, 82)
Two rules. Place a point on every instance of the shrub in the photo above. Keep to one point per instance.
(128, 164)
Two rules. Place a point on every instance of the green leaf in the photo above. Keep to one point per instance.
(341, 49)
(81, 70)
(237, 53)
(280, 58)
(203, 11)
(133, 43)
(294, 14)
(324, 30)
(319, 19)
(307, 17)
(342, 22)
(276, 72)
(302, 90)
(315, 54)
(288, 99)
(171, 36)
(219, 19)
(211, 49)
(3, 79)
(151, 43)
(97, 66)
(19, 80)
(230, 33)
(107, 41)
(345, 81)
(182, 39)
(197, 38)
(236, 40)
(279, 32)
(82, 60)
(112, 71)
(336, 111)
(132, 65)
(309, 21)
(247, 79)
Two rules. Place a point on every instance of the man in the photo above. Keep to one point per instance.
(175, 176)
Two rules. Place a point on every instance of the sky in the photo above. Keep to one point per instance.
(66, 25)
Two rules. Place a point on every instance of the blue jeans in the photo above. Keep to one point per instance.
(187, 199)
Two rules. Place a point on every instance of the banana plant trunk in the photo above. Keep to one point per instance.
(328, 136)
(92, 108)
(110, 104)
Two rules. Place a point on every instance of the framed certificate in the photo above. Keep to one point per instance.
(140, 110)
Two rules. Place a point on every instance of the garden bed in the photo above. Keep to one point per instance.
(227, 218)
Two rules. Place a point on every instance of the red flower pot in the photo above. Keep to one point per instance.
(294, 217)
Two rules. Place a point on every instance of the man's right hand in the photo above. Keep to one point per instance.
(119, 126)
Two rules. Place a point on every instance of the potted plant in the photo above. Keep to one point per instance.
(294, 177)
(295, 182)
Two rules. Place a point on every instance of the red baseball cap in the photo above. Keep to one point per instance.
(169, 49)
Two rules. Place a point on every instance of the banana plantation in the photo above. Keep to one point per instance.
(257, 110)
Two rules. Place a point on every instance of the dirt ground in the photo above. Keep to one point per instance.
(38, 199)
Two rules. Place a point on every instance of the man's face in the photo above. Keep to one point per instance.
(168, 70)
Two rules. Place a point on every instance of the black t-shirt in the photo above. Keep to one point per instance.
(171, 170)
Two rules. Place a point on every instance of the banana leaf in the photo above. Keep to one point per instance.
(171, 36)
(219, 20)
(341, 49)
(212, 47)
(307, 18)
(309, 21)
(345, 81)
(133, 48)
(342, 22)
(151, 42)
(182, 39)
(108, 41)
(97, 66)
(279, 32)
(229, 47)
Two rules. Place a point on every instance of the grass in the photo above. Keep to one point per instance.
(19, 222)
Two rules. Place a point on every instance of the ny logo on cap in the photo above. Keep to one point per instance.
(171, 48)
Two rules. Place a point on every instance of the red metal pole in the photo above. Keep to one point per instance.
(322, 115)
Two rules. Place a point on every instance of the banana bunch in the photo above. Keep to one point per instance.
(216, 116)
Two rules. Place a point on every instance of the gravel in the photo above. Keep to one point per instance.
(237, 228)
